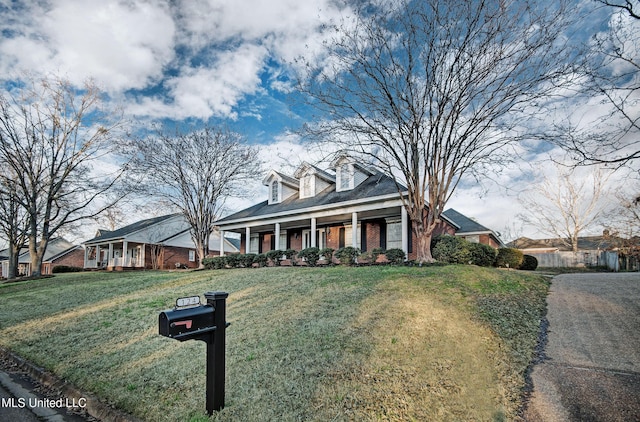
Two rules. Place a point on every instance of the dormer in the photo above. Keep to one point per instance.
(349, 174)
(312, 180)
(280, 186)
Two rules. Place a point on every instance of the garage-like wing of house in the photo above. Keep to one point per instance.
(161, 242)
(59, 252)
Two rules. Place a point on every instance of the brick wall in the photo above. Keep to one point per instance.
(72, 259)
(173, 255)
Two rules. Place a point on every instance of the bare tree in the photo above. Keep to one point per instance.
(13, 221)
(633, 9)
(611, 71)
(195, 172)
(567, 203)
(430, 91)
(53, 136)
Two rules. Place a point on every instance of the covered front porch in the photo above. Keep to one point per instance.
(364, 226)
(114, 256)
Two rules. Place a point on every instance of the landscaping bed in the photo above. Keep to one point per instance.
(343, 343)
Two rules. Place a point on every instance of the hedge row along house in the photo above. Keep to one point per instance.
(156, 243)
(349, 205)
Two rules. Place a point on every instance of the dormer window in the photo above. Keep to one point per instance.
(280, 187)
(349, 174)
(275, 192)
(306, 186)
(345, 177)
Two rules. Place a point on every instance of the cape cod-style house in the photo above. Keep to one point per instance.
(349, 205)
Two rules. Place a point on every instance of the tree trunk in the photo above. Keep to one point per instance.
(423, 244)
(14, 254)
(200, 252)
(36, 253)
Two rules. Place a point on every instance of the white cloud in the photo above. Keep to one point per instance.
(120, 45)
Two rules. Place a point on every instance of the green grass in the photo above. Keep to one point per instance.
(370, 343)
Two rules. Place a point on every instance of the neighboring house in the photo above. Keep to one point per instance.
(473, 231)
(59, 252)
(351, 205)
(161, 242)
(605, 250)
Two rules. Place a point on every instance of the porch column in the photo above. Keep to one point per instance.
(354, 229)
(97, 255)
(86, 256)
(277, 235)
(125, 248)
(247, 243)
(314, 242)
(405, 228)
(110, 257)
(221, 232)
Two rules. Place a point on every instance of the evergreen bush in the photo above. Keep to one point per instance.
(327, 253)
(261, 260)
(66, 269)
(274, 256)
(311, 255)
(451, 249)
(347, 255)
(482, 255)
(395, 256)
(509, 258)
(529, 263)
(247, 260)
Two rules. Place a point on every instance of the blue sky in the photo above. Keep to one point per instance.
(222, 61)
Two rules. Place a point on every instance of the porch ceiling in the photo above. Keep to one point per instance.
(343, 218)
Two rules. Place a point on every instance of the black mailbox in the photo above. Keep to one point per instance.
(187, 323)
(190, 320)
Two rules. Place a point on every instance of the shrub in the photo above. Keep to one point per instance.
(290, 253)
(529, 263)
(509, 257)
(66, 269)
(214, 263)
(274, 256)
(247, 260)
(347, 255)
(451, 249)
(261, 259)
(232, 261)
(376, 252)
(327, 253)
(311, 255)
(482, 255)
(395, 256)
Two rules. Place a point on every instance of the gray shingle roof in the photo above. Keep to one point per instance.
(375, 185)
(465, 224)
(131, 228)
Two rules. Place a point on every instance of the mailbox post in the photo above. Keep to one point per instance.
(207, 323)
(216, 352)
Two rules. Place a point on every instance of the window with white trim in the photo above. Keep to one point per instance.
(192, 256)
(307, 186)
(275, 192)
(394, 234)
(254, 243)
(345, 177)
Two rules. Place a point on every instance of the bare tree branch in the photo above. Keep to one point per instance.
(566, 204)
(431, 91)
(195, 172)
(51, 136)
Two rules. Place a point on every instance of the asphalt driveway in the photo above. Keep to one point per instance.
(591, 365)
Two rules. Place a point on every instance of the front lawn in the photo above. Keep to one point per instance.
(370, 343)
